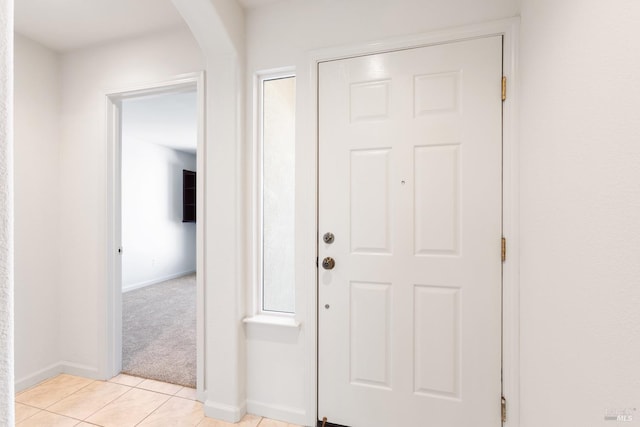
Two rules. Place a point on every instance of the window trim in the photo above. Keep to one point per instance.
(258, 313)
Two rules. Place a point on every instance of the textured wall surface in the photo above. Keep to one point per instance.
(6, 214)
(36, 98)
(580, 204)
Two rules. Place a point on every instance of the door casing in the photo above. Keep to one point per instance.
(111, 353)
(307, 205)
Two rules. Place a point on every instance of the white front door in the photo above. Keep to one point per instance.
(410, 187)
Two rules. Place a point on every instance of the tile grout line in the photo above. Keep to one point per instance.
(155, 391)
(172, 396)
(152, 412)
(35, 413)
(48, 406)
(30, 406)
(149, 414)
(68, 395)
(51, 412)
(107, 404)
(123, 394)
(129, 390)
(33, 387)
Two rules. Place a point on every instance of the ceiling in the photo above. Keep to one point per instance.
(64, 25)
(169, 119)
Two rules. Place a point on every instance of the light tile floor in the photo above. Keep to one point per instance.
(67, 400)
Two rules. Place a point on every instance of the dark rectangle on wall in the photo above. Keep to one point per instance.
(188, 196)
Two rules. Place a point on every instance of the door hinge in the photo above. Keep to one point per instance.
(504, 88)
(504, 249)
(504, 409)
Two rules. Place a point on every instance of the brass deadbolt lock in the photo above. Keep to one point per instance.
(328, 238)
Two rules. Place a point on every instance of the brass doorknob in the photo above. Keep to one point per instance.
(328, 263)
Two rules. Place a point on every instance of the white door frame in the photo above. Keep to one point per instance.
(308, 160)
(111, 353)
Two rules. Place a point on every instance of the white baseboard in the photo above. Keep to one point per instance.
(38, 377)
(80, 370)
(278, 412)
(224, 412)
(146, 283)
(62, 367)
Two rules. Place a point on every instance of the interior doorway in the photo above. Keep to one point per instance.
(158, 171)
(156, 138)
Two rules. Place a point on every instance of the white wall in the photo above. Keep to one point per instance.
(157, 244)
(579, 198)
(218, 25)
(37, 248)
(314, 25)
(87, 76)
(281, 35)
(7, 413)
(580, 210)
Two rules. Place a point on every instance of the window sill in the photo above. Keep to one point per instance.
(269, 320)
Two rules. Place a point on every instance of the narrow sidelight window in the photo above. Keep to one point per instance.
(277, 177)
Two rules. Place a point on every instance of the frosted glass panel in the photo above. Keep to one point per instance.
(278, 173)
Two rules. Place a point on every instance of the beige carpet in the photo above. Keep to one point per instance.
(159, 331)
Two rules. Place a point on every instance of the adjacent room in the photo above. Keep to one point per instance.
(158, 167)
